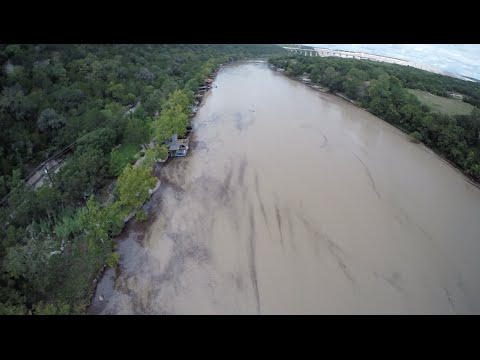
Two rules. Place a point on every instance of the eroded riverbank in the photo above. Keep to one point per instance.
(294, 201)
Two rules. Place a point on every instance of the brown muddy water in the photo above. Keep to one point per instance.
(292, 201)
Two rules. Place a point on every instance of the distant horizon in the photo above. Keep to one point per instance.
(460, 59)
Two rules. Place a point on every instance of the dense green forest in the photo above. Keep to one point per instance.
(91, 107)
(382, 89)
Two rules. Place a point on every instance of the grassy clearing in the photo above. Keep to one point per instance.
(127, 152)
(122, 156)
(442, 104)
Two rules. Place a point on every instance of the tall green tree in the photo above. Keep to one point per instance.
(133, 185)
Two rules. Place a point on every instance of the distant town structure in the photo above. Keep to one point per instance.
(360, 55)
(177, 147)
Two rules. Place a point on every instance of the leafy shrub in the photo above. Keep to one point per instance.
(112, 259)
(141, 216)
(416, 136)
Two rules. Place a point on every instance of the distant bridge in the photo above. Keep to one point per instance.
(323, 52)
(360, 55)
(306, 52)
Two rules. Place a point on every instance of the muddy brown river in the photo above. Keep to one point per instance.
(292, 201)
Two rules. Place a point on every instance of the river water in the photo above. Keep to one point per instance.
(292, 201)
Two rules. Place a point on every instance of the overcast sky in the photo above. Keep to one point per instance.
(460, 59)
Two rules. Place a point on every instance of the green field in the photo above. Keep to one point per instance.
(122, 156)
(441, 104)
(127, 152)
